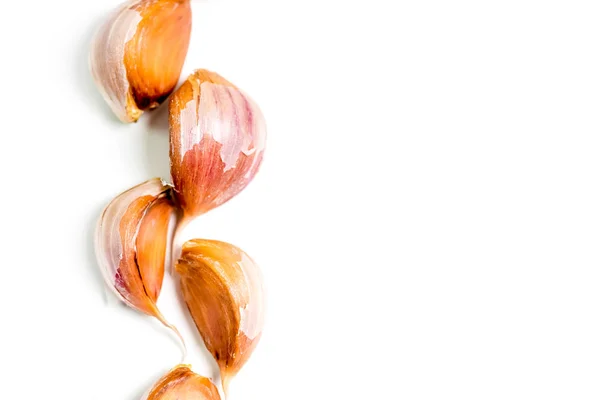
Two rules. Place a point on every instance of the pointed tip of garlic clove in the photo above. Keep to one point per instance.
(182, 383)
(225, 379)
(222, 287)
(130, 244)
(138, 53)
(217, 141)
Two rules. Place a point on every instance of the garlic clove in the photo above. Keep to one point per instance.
(138, 53)
(182, 383)
(223, 290)
(131, 238)
(217, 140)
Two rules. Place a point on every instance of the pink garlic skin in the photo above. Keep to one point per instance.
(217, 141)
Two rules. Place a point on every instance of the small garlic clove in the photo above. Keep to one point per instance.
(217, 139)
(131, 238)
(137, 55)
(181, 383)
(223, 290)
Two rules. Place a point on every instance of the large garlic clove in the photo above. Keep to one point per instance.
(137, 55)
(131, 239)
(217, 139)
(181, 383)
(223, 290)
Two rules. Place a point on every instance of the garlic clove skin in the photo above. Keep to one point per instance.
(222, 287)
(138, 53)
(150, 251)
(217, 141)
(130, 244)
(181, 383)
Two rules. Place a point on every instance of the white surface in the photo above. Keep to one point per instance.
(427, 216)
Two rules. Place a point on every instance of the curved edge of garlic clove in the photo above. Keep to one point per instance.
(106, 61)
(182, 383)
(107, 243)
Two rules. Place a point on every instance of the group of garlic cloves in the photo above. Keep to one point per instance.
(217, 139)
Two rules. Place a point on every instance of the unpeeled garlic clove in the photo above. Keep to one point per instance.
(137, 55)
(181, 383)
(217, 139)
(223, 290)
(131, 241)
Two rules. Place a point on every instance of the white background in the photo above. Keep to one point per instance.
(427, 217)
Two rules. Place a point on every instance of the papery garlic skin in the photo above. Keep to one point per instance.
(181, 383)
(134, 277)
(108, 66)
(217, 141)
(222, 287)
(150, 252)
(138, 53)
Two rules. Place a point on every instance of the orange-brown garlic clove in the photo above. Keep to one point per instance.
(222, 287)
(181, 383)
(137, 55)
(131, 238)
(217, 140)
